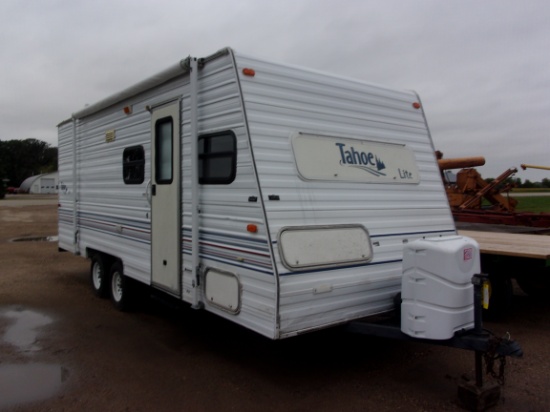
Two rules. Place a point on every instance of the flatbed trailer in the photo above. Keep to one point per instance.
(511, 244)
(524, 257)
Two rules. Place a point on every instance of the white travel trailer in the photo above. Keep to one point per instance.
(276, 197)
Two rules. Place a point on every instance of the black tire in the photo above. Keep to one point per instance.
(534, 278)
(119, 288)
(99, 275)
(536, 285)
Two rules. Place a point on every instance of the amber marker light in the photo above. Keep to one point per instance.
(252, 228)
(249, 72)
(128, 109)
(416, 105)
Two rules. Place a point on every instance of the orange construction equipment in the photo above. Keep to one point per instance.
(470, 188)
(467, 193)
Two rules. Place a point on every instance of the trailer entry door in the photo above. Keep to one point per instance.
(166, 199)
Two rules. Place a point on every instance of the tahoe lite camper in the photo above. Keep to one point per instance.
(285, 200)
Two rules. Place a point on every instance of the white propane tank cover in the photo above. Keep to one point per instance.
(437, 290)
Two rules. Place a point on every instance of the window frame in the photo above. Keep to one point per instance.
(158, 153)
(205, 156)
(134, 164)
(322, 246)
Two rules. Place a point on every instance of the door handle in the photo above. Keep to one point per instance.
(148, 192)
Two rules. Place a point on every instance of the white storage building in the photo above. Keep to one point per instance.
(47, 183)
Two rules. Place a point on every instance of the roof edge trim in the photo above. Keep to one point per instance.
(181, 68)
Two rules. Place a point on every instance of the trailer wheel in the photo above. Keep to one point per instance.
(99, 276)
(536, 285)
(120, 286)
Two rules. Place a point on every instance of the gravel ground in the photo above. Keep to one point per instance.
(63, 349)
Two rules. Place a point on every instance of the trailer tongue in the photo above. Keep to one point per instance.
(489, 349)
(443, 293)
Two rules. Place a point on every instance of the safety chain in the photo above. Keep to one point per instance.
(491, 357)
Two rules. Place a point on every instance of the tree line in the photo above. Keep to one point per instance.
(526, 184)
(20, 159)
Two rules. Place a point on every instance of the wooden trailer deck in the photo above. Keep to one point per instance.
(511, 244)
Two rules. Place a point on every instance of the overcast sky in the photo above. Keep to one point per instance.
(482, 68)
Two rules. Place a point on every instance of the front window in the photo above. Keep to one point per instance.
(217, 158)
(133, 165)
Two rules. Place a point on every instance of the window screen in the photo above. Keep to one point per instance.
(163, 151)
(133, 165)
(217, 158)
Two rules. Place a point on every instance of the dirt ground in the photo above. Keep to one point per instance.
(63, 349)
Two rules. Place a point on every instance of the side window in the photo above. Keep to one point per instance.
(133, 165)
(217, 158)
(163, 151)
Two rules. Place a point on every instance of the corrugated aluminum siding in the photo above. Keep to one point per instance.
(66, 186)
(225, 210)
(114, 218)
(280, 100)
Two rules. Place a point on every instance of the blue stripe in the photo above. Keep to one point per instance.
(117, 235)
(230, 263)
(404, 234)
(237, 237)
(121, 221)
(415, 233)
(301, 272)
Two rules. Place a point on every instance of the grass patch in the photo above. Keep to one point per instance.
(530, 190)
(533, 204)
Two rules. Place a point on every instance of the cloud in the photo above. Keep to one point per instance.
(481, 68)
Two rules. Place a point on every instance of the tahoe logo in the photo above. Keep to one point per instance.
(368, 162)
(341, 159)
